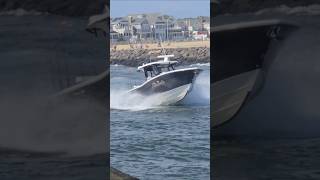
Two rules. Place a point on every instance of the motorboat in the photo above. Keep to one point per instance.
(164, 82)
(243, 89)
(239, 75)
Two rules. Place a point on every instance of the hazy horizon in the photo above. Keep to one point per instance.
(176, 8)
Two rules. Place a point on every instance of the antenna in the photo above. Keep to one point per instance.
(164, 50)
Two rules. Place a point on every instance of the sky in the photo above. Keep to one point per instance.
(176, 8)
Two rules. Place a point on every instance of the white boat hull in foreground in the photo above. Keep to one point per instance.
(173, 96)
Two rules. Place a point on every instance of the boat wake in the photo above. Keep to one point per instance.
(122, 100)
(200, 94)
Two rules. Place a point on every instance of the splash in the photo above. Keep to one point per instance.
(122, 100)
(200, 94)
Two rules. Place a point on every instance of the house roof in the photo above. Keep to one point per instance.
(138, 20)
(119, 20)
(152, 18)
(158, 18)
(164, 18)
(194, 22)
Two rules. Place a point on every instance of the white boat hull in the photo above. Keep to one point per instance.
(173, 96)
(229, 95)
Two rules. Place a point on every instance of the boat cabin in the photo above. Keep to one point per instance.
(155, 68)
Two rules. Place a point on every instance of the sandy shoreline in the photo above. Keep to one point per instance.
(166, 45)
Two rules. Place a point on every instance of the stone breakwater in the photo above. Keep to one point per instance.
(135, 57)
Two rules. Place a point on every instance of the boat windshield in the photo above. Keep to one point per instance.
(156, 69)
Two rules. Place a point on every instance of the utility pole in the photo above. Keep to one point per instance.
(189, 29)
(167, 30)
(130, 27)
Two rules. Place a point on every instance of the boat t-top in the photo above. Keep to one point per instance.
(168, 84)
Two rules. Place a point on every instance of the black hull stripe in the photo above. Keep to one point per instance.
(167, 82)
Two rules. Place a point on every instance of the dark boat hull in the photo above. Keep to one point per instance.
(170, 87)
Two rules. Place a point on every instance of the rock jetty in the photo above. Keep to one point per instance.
(135, 57)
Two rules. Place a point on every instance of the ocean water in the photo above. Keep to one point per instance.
(27, 165)
(159, 142)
